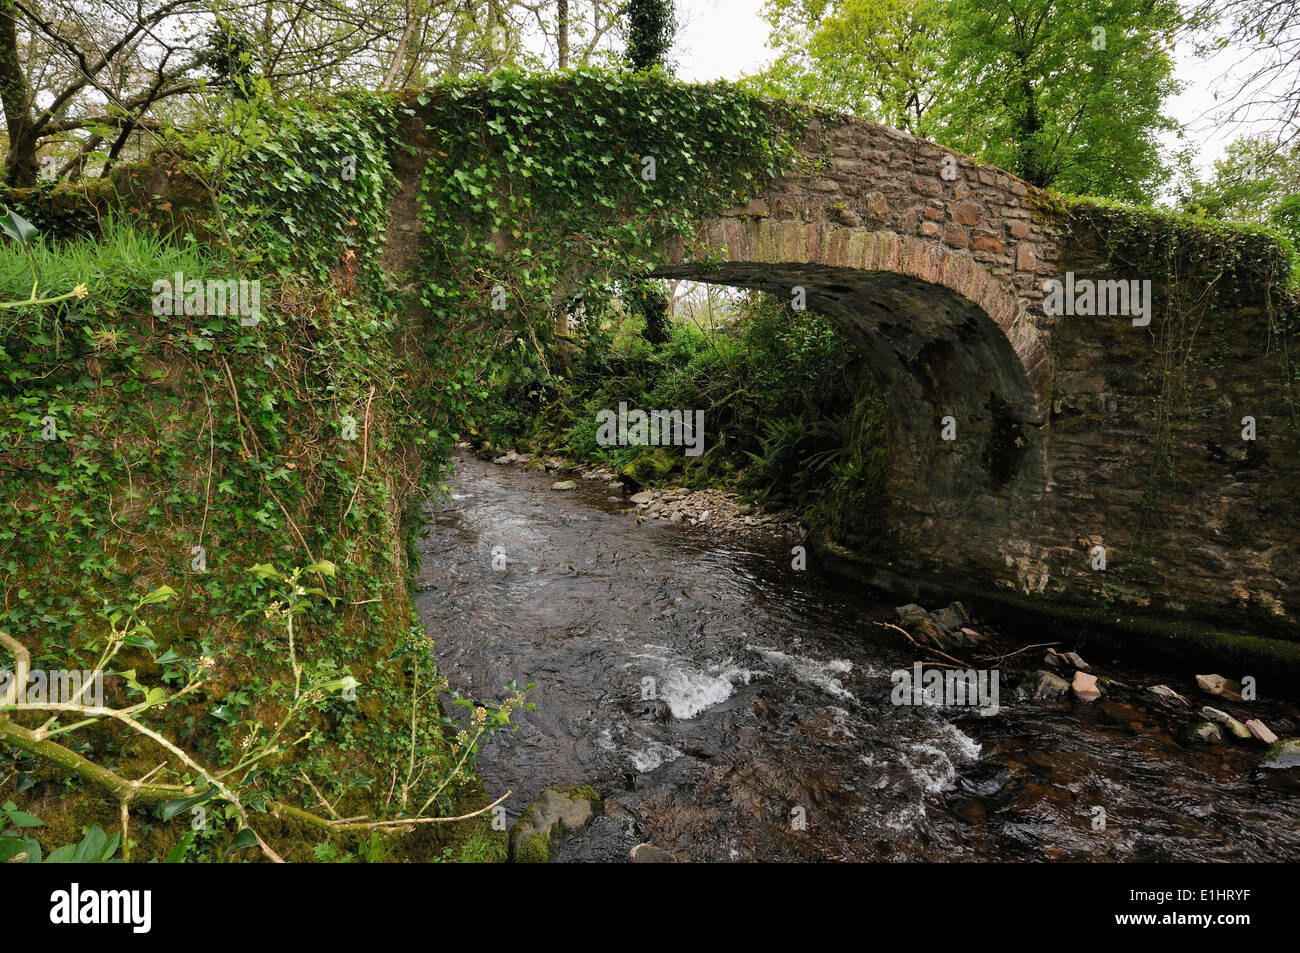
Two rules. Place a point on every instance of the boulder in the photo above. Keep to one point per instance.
(1280, 768)
(558, 811)
(564, 485)
(1283, 756)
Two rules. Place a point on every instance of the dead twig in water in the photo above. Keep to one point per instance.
(925, 648)
(999, 658)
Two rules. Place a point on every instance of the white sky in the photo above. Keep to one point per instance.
(721, 39)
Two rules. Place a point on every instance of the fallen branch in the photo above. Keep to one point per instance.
(925, 648)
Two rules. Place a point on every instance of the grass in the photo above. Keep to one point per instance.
(119, 269)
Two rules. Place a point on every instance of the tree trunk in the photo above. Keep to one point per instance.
(20, 163)
(562, 32)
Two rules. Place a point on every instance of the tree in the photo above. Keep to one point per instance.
(1064, 95)
(1069, 96)
(119, 68)
(881, 59)
(649, 299)
(1257, 181)
(651, 26)
(1270, 32)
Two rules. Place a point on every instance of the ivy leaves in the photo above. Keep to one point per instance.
(550, 188)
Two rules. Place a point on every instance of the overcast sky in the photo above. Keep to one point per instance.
(721, 39)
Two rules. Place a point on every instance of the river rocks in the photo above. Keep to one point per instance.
(1045, 686)
(1233, 726)
(556, 812)
(949, 619)
(910, 615)
(1076, 661)
(717, 509)
(1281, 766)
(1207, 733)
(1260, 731)
(1219, 686)
(565, 485)
(1085, 687)
(1167, 694)
(1283, 756)
(1237, 729)
(1216, 716)
(650, 854)
(945, 629)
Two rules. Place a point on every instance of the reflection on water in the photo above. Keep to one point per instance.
(720, 700)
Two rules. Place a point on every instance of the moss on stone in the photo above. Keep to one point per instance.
(584, 792)
(651, 467)
(535, 849)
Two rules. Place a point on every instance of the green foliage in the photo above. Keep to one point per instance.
(879, 59)
(792, 413)
(650, 29)
(1067, 96)
(1040, 92)
(543, 191)
(311, 194)
(131, 440)
(1257, 181)
(18, 843)
(535, 849)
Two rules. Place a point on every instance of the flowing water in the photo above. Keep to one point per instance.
(728, 707)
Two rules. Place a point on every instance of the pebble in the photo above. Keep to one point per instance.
(1237, 729)
(1218, 685)
(1261, 732)
(1085, 687)
(1074, 659)
(1164, 691)
(1207, 733)
(650, 854)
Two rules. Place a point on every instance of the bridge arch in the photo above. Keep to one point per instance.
(944, 340)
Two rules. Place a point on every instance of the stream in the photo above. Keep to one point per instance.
(730, 708)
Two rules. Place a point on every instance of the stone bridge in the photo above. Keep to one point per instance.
(1064, 437)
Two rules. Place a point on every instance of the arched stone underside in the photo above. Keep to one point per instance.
(923, 318)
